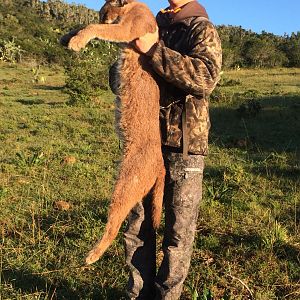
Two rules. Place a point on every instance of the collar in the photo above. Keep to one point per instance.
(167, 10)
(192, 9)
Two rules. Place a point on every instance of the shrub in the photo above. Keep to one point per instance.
(10, 51)
(250, 108)
(87, 72)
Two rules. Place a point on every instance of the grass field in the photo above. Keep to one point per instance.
(57, 168)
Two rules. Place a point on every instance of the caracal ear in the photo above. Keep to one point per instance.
(123, 2)
(119, 3)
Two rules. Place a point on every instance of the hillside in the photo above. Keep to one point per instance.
(36, 27)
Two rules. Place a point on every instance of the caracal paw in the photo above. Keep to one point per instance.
(92, 257)
(76, 43)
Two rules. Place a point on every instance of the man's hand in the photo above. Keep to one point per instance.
(146, 43)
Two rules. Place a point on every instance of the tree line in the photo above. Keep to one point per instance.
(244, 48)
(32, 28)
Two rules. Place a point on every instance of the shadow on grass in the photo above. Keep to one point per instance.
(275, 128)
(249, 243)
(59, 289)
(290, 172)
(28, 283)
(49, 88)
(289, 253)
(30, 101)
(283, 251)
(57, 103)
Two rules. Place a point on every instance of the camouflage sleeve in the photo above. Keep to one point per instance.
(198, 71)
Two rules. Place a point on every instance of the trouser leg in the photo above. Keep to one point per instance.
(183, 192)
(140, 248)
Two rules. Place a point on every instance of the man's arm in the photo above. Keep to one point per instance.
(196, 73)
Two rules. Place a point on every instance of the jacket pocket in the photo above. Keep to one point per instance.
(170, 124)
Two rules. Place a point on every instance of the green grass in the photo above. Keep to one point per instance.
(248, 230)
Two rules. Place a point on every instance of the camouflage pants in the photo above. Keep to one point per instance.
(183, 192)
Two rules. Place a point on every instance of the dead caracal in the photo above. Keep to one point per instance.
(142, 168)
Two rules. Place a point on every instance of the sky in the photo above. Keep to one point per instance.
(275, 16)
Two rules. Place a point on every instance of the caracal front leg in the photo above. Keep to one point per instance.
(126, 31)
(106, 32)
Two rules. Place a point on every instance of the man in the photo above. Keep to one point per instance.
(186, 56)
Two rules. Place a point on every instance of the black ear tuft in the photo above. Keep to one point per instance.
(118, 3)
(123, 2)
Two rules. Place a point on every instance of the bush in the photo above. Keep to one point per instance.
(10, 51)
(87, 72)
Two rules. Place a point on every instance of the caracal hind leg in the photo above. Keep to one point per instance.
(158, 194)
(128, 192)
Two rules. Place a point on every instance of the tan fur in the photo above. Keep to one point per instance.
(142, 169)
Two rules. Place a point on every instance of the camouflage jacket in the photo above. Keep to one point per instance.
(188, 61)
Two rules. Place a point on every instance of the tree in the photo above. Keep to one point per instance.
(261, 52)
(291, 47)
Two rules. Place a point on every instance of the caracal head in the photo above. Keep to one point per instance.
(111, 10)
